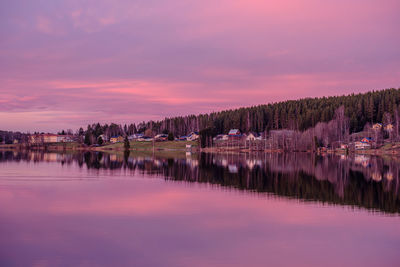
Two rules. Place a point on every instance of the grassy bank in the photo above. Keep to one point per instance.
(134, 145)
(137, 145)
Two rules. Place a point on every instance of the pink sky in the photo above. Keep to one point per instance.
(64, 64)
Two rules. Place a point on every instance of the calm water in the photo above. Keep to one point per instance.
(198, 210)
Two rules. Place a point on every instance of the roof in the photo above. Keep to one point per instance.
(233, 131)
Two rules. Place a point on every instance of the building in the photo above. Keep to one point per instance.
(116, 139)
(367, 140)
(193, 136)
(161, 137)
(43, 138)
(221, 137)
(136, 136)
(103, 137)
(234, 132)
(64, 138)
(183, 138)
(377, 126)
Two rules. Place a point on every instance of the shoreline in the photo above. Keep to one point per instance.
(181, 147)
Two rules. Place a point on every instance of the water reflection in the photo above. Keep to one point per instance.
(363, 181)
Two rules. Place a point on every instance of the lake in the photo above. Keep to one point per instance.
(182, 209)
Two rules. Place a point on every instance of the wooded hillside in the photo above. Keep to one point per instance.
(293, 114)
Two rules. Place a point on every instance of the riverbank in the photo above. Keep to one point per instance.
(387, 149)
(134, 146)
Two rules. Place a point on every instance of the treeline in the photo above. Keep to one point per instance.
(8, 137)
(297, 115)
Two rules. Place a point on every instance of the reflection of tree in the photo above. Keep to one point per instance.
(363, 181)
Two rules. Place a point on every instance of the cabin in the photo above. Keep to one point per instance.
(183, 138)
(65, 138)
(193, 136)
(116, 139)
(377, 126)
(145, 138)
(161, 137)
(234, 134)
(221, 137)
(367, 140)
(103, 137)
(43, 138)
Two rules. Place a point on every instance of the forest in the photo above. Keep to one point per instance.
(298, 115)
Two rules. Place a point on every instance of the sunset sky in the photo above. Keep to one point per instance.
(64, 64)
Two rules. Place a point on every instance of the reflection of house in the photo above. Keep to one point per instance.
(389, 176)
(389, 127)
(376, 176)
(344, 146)
(361, 145)
(253, 136)
(232, 168)
(116, 139)
(377, 126)
(362, 159)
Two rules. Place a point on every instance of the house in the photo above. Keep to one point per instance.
(136, 136)
(43, 138)
(221, 137)
(116, 139)
(193, 136)
(64, 138)
(103, 137)
(252, 136)
(234, 132)
(367, 140)
(161, 137)
(145, 138)
(377, 126)
(183, 138)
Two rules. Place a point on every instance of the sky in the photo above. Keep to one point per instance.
(65, 64)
